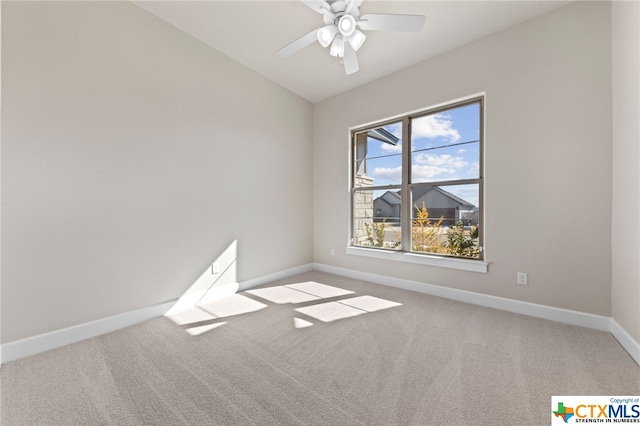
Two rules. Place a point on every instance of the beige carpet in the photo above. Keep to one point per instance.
(318, 349)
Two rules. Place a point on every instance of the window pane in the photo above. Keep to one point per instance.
(377, 218)
(445, 220)
(432, 190)
(378, 156)
(446, 146)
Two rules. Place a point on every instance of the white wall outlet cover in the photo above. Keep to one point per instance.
(522, 278)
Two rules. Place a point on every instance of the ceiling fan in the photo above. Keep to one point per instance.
(341, 17)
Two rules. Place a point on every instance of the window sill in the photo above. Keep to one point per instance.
(422, 259)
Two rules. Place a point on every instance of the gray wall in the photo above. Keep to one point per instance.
(626, 167)
(132, 156)
(548, 149)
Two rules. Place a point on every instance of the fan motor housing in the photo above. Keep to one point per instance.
(337, 8)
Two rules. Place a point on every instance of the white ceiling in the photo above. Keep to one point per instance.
(252, 31)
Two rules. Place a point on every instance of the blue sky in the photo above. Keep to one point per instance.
(444, 147)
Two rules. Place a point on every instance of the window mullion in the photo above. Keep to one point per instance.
(405, 212)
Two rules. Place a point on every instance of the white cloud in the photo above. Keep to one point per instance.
(425, 167)
(475, 169)
(461, 151)
(428, 166)
(468, 193)
(393, 174)
(387, 147)
(446, 160)
(430, 126)
(434, 126)
(422, 173)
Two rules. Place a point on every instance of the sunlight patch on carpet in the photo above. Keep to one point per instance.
(282, 295)
(232, 305)
(322, 291)
(189, 315)
(332, 311)
(195, 331)
(300, 323)
(370, 303)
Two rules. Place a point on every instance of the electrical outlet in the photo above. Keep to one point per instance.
(333, 252)
(215, 268)
(522, 278)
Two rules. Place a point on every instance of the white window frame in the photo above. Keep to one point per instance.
(406, 255)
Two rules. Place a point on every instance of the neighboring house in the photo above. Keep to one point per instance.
(387, 206)
(439, 202)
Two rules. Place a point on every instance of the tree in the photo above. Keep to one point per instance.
(376, 234)
(425, 236)
(461, 242)
(378, 230)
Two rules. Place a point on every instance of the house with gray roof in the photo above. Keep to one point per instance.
(439, 202)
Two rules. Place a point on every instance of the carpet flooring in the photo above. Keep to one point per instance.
(319, 349)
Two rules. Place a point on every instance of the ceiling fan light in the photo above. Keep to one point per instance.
(347, 25)
(337, 48)
(356, 40)
(326, 35)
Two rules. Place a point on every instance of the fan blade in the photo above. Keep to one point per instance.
(388, 22)
(319, 6)
(298, 44)
(351, 4)
(350, 60)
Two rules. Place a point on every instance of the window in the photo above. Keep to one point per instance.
(417, 183)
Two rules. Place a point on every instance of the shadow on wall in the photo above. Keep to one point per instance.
(213, 296)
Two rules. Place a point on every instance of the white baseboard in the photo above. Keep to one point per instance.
(43, 342)
(566, 316)
(625, 339)
(32, 345)
(266, 279)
